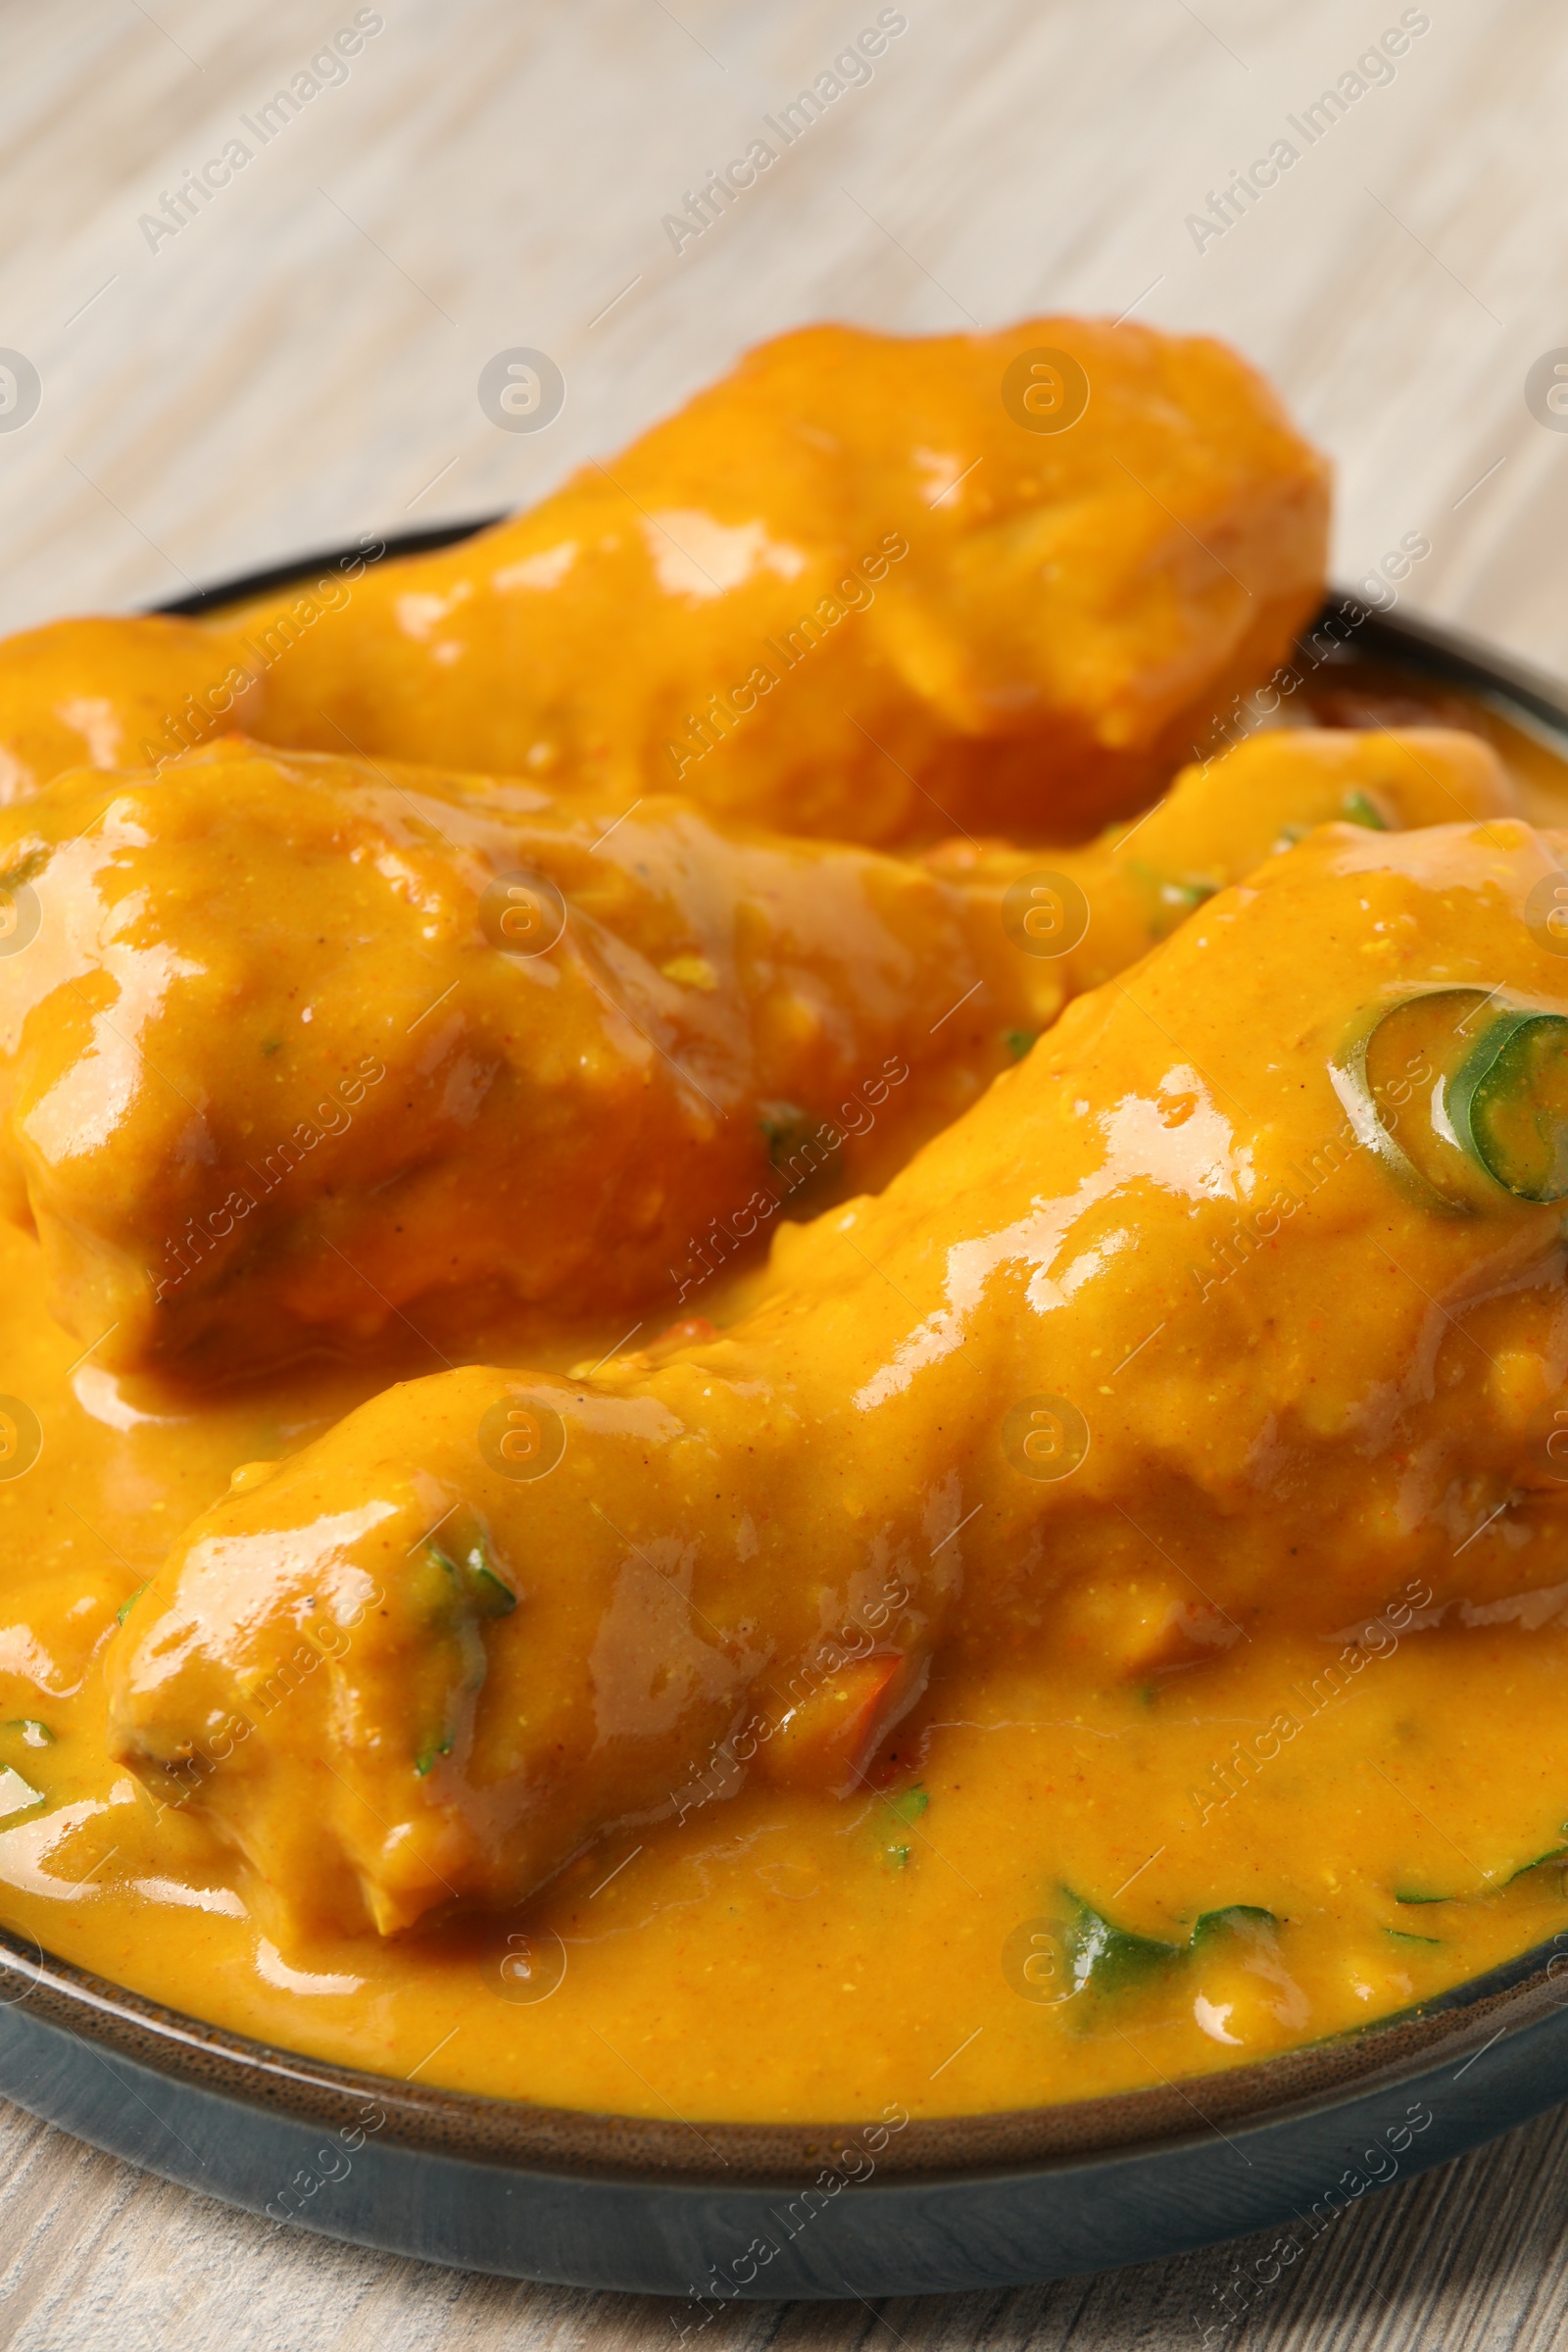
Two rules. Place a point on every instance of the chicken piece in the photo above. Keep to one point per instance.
(1094, 910)
(1243, 1294)
(298, 1041)
(296, 1046)
(848, 590)
(115, 694)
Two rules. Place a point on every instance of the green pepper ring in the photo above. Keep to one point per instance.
(1347, 1073)
(1460, 1094)
(1470, 1090)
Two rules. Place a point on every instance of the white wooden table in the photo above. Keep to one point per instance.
(299, 362)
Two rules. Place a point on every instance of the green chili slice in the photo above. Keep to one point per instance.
(1462, 1095)
(1508, 1105)
(1391, 1076)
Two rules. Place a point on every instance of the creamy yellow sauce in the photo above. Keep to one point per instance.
(779, 1956)
(784, 1953)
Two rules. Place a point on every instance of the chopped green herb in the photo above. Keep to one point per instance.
(907, 1806)
(1555, 1853)
(1402, 1935)
(492, 1596)
(1018, 1041)
(455, 1597)
(1187, 891)
(1247, 1916)
(129, 1604)
(424, 1761)
(478, 1580)
(1360, 811)
(1105, 1958)
(779, 1119)
(273, 1045)
(1174, 895)
(787, 1131)
(33, 1733)
(1410, 1896)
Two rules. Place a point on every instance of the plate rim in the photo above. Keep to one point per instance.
(532, 2138)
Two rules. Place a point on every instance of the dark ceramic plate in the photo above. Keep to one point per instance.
(831, 2208)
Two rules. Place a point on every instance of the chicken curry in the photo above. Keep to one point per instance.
(744, 1438)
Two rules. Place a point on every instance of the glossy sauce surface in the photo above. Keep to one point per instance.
(779, 1956)
(299, 1042)
(1283, 1834)
(853, 589)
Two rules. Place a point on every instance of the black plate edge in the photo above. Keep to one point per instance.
(1435, 650)
(911, 2235)
(203, 600)
(182, 2034)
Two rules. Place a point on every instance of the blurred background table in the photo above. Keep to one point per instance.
(300, 363)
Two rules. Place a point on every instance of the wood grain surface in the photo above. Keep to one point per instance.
(300, 363)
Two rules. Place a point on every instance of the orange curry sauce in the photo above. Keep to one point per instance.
(1259, 1839)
